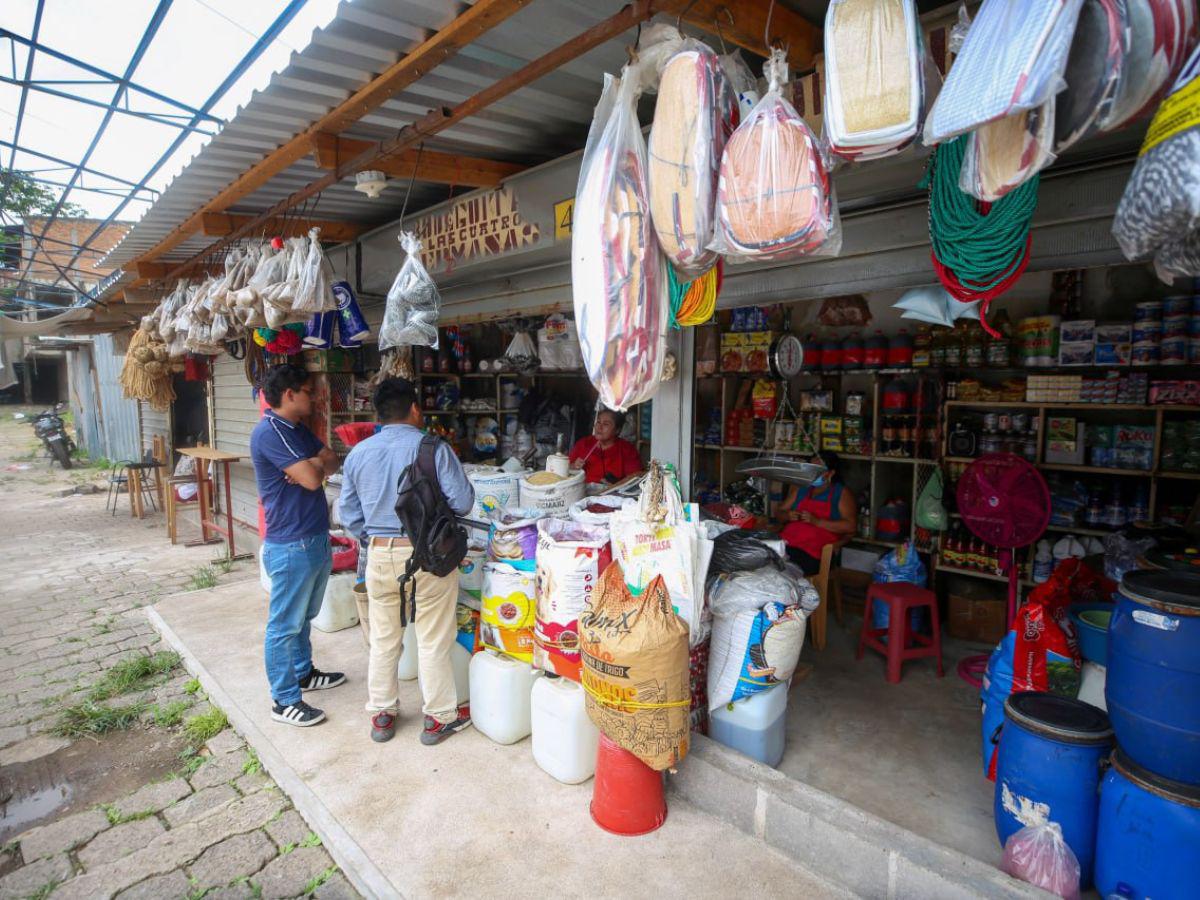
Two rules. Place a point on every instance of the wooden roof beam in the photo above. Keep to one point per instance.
(743, 22)
(475, 21)
(331, 150)
(221, 224)
(152, 271)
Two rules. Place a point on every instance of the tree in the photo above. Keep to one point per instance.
(21, 196)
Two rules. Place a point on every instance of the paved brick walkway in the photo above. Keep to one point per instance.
(74, 580)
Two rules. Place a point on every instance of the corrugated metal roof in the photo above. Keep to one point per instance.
(539, 122)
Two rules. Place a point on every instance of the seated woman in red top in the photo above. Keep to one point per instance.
(823, 513)
(604, 457)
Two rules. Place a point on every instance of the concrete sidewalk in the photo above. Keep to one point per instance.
(467, 818)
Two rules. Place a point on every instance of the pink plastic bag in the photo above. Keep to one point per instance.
(1039, 855)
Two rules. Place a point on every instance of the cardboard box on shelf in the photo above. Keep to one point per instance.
(746, 351)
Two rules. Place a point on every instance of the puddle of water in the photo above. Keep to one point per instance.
(19, 812)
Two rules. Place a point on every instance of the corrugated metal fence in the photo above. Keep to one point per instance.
(106, 422)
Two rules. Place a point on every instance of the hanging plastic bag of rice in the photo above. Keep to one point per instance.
(413, 303)
(635, 669)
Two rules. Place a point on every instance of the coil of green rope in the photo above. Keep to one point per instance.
(982, 249)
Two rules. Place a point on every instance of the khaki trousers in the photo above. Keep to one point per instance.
(436, 628)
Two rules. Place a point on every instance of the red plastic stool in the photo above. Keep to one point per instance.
(902, 643)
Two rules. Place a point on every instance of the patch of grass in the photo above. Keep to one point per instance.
(200, 728)
(225, 566)
(133, 674)
(312, 840)
(195, 892)
(115, 818)
(191, 686)
(319, 880)
(256, 890)
(286, 849)
(45, 890)
(89, 719)
(74, 640)
(172, 714)
(14, 846)
(192, 760)
(252, 765)
(203, 578)
(106, 626)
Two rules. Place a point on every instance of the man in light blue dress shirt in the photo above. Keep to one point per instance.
(367, 508)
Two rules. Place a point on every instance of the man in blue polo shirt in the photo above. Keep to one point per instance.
(290, 466)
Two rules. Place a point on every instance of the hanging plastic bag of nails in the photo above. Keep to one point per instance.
(413, 303)
(314, 293)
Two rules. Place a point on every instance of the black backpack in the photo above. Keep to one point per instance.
(439, 541)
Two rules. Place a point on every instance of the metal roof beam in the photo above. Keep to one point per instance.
(71, 165)
(109, 77)
(473, 22)
(438, 168)
(37, 27)
(157, 118)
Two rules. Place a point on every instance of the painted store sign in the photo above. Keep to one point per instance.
(475, 227)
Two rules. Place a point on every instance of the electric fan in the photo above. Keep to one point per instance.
(1004, 501)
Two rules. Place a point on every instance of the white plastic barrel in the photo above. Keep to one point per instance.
(460, 660)
(338, 608)
(500, 694)
(407, 670)
(564, 739)
(755, 726)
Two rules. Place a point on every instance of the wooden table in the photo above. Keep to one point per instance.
(203, 456)
(137, 505)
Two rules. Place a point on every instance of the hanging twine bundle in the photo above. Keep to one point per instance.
(979, 249)
(146, 373)
(694, 302)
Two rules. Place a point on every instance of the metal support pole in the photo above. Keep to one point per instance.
(672, 433)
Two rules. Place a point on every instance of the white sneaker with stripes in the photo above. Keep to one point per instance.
(299, 714)
(320, 681)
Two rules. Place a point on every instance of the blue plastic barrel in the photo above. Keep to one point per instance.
(1148, 833)
(1048, 769)
(1153, 686)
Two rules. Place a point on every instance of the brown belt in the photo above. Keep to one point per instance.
(388, 543)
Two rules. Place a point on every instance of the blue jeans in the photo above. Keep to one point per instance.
(299, 572)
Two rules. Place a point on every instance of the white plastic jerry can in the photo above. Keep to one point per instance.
(564, 739)
(755, 726)
(338, 608)
(407, 669)
(500, 694)
(460, 661)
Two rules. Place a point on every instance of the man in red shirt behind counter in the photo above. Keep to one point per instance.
(604, 457)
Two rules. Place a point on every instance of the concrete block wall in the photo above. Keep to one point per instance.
(831, 838)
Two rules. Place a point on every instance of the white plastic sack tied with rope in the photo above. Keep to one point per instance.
(660, 536)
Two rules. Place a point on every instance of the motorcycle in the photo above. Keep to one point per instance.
(50, 428)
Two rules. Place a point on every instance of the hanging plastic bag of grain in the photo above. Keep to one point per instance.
(635, 669)
(413, 302)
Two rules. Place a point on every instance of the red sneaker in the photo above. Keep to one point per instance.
(435, 732)
(383, 726)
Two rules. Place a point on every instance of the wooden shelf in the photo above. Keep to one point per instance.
(1100, 407)
(1064, 529)
(1179, 475)
(988, 576)
(1094, 470)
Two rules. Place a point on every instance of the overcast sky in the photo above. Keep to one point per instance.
(195, 48)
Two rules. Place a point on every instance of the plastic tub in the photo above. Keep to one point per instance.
(407, 669)
(460, 661)
(755, 726)
(1091, 622)
(500, 696)
(1153, 684)
(1048, 769)
(564, 738)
